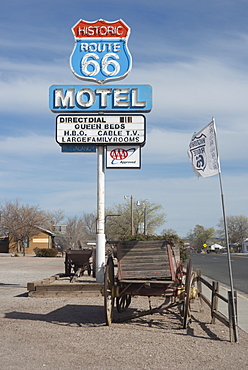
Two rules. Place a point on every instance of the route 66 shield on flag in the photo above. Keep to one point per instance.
(203, 153)
(100, 52)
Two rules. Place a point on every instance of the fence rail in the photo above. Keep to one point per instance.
(213, 303)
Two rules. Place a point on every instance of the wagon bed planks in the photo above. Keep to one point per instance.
(146, 260)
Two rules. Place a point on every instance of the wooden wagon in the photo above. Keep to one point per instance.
(76, 262)
(147, 268)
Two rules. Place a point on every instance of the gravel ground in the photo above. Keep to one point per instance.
(70, 333)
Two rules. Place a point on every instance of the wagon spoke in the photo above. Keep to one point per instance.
(109, 291)
(122, 303)
(188, 283)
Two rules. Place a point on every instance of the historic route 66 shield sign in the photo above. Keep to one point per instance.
(198, 152)
(100, 52)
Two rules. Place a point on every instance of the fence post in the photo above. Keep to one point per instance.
(214, 300)
(232, 329)
(199, 287)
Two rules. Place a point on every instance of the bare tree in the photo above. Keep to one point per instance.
(54, 218)
(21, 222)
(89, 220)
(75, 235)
(237, 227)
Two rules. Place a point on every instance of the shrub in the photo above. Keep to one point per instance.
(45, 252)
(184, 253)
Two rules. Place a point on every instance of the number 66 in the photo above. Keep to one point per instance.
(102, 65)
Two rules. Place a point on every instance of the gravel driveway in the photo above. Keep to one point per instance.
(70, 333)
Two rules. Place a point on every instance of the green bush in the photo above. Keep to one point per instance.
(45, 252)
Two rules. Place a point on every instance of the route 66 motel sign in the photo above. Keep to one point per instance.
(100, 52)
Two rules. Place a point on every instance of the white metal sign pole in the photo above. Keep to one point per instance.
(100, 227)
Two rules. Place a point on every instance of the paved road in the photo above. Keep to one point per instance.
(215, 266)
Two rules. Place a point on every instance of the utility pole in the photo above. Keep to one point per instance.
(132, 223)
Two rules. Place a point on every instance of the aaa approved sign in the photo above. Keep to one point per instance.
(126, 156)
(100, 129)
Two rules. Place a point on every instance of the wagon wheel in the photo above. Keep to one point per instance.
(109, 290)
(122, 303)
(94, 263)
(188, 282)
(89, 270)
(67, 268)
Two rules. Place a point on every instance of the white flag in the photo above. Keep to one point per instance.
(203, 153)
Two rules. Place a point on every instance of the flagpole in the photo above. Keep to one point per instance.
(234, 318)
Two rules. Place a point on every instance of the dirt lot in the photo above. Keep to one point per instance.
(70, 333)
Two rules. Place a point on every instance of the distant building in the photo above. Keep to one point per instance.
(245, 246)
(43, 239)
(4, 244)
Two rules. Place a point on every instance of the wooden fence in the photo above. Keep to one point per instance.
(213, 304)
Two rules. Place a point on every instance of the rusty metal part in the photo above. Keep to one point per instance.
(166, 304)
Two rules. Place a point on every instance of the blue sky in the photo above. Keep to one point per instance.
(194, 54)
